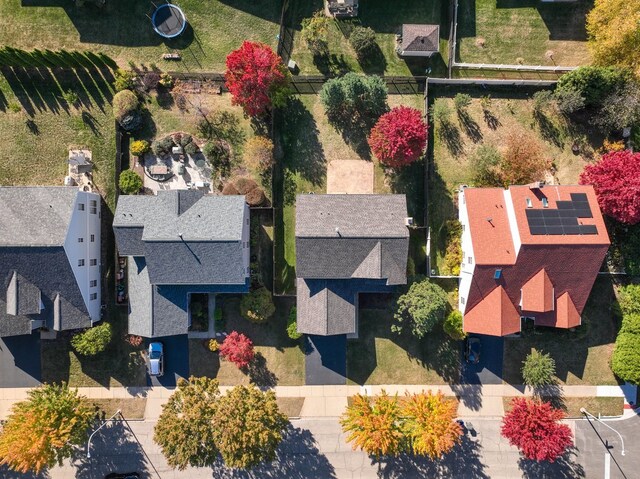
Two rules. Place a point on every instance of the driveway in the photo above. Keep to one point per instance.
(176, 360)
(326, 359)
(489, 368)
(20, 361)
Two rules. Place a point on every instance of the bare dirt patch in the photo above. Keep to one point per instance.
(350, 176)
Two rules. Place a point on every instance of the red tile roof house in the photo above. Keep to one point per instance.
(528, 252)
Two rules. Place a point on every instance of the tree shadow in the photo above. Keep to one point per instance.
(4, 104)
(302, 148)
(564, 467)
(164, 98)
(450, 134)
(7, 473)
(32, 126)
(259, 373)
(91, 121)
(464, 460)
(470, 126)
(548, 130)
(409, 181)
(490, 119)
(374, 62)
(297, 457)
(331, 65)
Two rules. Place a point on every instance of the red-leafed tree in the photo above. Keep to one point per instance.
(399, 137)
(238, 349)
(257, 78)
(532, 426)
(616, 179)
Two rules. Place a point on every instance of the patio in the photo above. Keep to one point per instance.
(177, 173)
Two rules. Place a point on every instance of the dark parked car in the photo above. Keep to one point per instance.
(472, 351)
(127, 475)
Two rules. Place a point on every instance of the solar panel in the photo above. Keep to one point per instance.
(569, 221)
(564, 205)
(537, 230)
(535, 213)
(564, 219)
(572, 230)
(555, 230)
(579, 197)
(582, 213)
(588, 230)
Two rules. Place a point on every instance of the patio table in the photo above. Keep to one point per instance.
(159, 170)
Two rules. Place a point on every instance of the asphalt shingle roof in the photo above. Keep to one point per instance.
(420, 38)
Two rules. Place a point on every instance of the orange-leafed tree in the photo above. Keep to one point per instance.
(45, 428)
(533, 427)
(429, 424)
(522, 160)
(373, 425)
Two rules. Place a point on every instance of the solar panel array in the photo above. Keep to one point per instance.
(564, 219)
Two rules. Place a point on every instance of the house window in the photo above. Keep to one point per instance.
(470, 260)
(93, 296)
(80, 240)
(93, 203)
(529, 203)
(92, 211)
(93, 238)
(80, 206)
(93, 207)
(93, 283)
(462, 300)
(80, 262)
(545, 202)
(247, 221)
(93, 262)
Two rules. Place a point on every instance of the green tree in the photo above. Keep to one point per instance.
(124, 80)
(124, 103)
(420, 309)
(185, 429)
(538, 369)
(257, 306)
(292, 324)
(248, 427)
(93, 340)
(130, 182)
(593, 83)
(315, 33)
(453, 325)
(485, 165)
(45, 428)
(461, 102)
(363, 41)
(353, 98)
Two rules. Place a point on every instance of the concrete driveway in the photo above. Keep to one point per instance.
(489, 368)
(176, 360)
(20, 361)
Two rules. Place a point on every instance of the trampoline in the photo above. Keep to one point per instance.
(168, 20)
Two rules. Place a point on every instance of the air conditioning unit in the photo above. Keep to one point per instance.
(408, 221)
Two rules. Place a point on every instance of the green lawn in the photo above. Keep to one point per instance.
(129, 408)
(119, 365)
(454, 147)
(280, 361)
(598, 406)
(582, 356)
(386, 19)
(123, 31)
(37, 137)
(513, 31)
(382, 357)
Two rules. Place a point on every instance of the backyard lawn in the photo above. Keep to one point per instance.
(455, 145)
(279, 360)
(379, 356)
(37, 126)
(582, 356)
(310, 143)
(386, 19)
(122, 29)
(529, 32)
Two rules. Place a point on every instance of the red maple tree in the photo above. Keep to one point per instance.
(256, 78)
(399, 137)
(616, 180)
(532, 426)
(238, 349)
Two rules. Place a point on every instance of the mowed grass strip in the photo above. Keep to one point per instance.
(598, 406)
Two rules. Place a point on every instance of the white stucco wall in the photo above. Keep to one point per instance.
(468, 258)
(246, 227)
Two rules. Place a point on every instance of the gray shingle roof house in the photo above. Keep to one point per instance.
(346, 244)
(180, 242)
(49, 259)
(419, 40)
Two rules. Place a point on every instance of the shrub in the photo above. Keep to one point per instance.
(485, 165)
(150, 80)
(124, 102)
(140, 147)
(124, 80)
(620, 109)
(353, 97)
(258, 154)
(542, 100)
(538, 369)
(315, 32)
(631, 324)
(130, 182)
(191, 149)
(609, 146)
(593, 83)
(238, 349)
(453, 257)
(219, 156)
(134, 340)
(420, 309)
(183, 140)
(163, 146)
(71, 97)
(245, 185)
(292, 324)
(625, 360)
(255, 197)
(453, 325)
(132, 121)
(229, 189)
(257, 306)
(523, 160)
(629, 299)
(363, 41)
(461, 102)
(568, 101)
(213, 346)
(93, 340)
(439, 112)
(15, 107)
(399, 137)
(166, 80)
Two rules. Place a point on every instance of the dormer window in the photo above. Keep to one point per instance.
(529, 203)
(545, 202)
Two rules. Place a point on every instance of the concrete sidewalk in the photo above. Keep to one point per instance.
(330, 401)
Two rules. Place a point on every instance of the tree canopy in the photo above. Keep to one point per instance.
(538, 369)
(616, 180)
(420, 309)
(399, 137)
(353, 97)
(130, 182)
(44, 429)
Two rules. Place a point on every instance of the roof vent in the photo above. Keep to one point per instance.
(180, 234)
(338, 231)
(408, 221)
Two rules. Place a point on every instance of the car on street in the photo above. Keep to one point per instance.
(156, 359)
(126, 475)
(472, 350)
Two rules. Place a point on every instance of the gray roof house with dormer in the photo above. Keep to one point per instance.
(49, 259)
(345, 245)
(180, 242)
